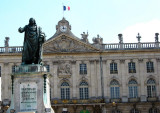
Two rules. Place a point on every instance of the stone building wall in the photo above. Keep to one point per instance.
(93, 76)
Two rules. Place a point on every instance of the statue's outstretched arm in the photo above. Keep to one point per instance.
(21, 30)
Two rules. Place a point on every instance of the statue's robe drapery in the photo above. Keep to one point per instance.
(32, 45)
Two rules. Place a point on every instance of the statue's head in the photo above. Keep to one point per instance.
(32, 21)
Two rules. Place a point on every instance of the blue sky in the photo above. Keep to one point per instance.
(107, 18)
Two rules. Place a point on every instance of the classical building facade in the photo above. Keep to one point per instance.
(94, 77)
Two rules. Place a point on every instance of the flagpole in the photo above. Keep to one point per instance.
(63, 9)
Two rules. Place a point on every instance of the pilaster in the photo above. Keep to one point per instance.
(123, 68)
(55, 77)
(92, 76)
(74, 78)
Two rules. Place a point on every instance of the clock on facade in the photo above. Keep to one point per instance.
(63, 28)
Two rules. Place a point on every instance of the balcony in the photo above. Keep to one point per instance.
(150, 70)
(117, 100)
(76, 101)
(132, 71)
(152, 99)
(113, 71)
(134, 99)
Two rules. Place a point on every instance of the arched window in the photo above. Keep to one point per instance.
(83, 90)
(65, 91)
(134, 110)
(133, 89)
(153, 110)
(151, 88)
(114, 89)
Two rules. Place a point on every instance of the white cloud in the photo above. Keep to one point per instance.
(147, 31)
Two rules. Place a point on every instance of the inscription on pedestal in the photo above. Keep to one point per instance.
(28, 96)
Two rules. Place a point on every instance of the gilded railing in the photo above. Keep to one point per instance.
(76, 101)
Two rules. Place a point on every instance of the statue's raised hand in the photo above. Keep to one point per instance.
(21, 30)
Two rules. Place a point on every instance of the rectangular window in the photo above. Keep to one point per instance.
(83, 93)
(151, 91)
(65, 93)
(132, 67)
(150, 67)
(86, 93)
(48, 68)
(133, 92)
(115, 92)
(113, 68)
(62, 93)
(83, 69)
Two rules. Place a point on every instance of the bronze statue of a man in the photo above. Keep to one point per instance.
(32, 46)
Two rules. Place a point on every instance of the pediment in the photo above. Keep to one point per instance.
(65, 43)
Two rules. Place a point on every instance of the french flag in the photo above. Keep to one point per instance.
(66, 8)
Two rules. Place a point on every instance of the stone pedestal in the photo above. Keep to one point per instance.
(30, 90)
